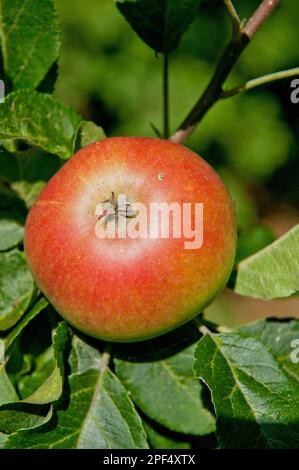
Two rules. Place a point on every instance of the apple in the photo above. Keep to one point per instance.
(136, 287)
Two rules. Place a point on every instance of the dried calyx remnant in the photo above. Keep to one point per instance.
(112, 210)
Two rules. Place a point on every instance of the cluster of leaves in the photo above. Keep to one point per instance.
(59, 389)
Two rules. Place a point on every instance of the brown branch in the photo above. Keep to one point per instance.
(213, 90)
(234, 49)
(258, 18)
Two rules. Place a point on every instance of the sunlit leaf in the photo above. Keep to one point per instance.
(272, 272)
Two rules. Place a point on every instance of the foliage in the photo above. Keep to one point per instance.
(60, 389)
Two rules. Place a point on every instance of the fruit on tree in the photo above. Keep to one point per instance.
(129, 289)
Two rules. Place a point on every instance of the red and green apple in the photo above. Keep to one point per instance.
(129, 289)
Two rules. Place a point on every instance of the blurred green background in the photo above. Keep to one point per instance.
(110, 76)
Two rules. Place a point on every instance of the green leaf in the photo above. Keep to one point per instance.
(158, 440)
(11, 233)
(88, 133)
(18, 417)
(160, 23)
(12, 217)
(83, 355)
(30, 165)
(7, 390)
(3, 439)
(272, 272)
(34, 372)
(38, 307)
(29, 39)
(51, 389)
(253, 395)
(280, 337)
(16, 287)
(40, 120)
(99, 415)
(27, 172)
(34, 411)
(173, 398)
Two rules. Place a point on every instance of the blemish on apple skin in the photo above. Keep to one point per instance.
(160, 177)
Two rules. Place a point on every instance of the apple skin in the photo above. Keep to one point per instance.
(129, 289)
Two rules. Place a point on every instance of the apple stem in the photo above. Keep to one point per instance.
(241, 36)
(207, 327)
(106, 356)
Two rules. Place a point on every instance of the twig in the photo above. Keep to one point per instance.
(235, 19)
(213, 91)
(271, 77)
(258, 18)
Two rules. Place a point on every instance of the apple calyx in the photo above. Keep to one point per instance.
(112, 210)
